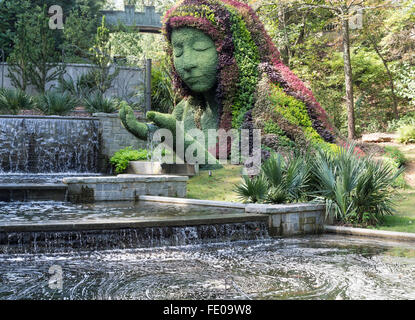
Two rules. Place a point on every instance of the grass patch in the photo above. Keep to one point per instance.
(404, 219)
(218, 187)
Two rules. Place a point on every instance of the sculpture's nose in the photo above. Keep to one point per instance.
(189, 61)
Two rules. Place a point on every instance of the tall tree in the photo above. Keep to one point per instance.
(104, 72)
(43, 57)
(19, 59)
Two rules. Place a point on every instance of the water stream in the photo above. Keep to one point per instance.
(311, 267)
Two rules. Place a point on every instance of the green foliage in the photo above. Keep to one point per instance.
(296, 113)
(396, 157)
(395, 124)
(163, 97)
(98, 103)
(406, 134)
(80, 28)
(19, 58)
(273, 128)
(280, 181)
(355, 189)
(14, 100)
(122, 157)
(405, 83)
(247, 57)
(252, 189)
(104, 73)
(80, 88)
(127, 45)
(42, 57)
(55, 103)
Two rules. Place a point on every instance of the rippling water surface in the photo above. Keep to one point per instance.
(312, 267)
(50, 211)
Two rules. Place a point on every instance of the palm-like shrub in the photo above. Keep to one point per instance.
(55, 103)
(280, 181)
(14, 100)
(355, 189)
(252, 189)
(78, 88)
(98, 103)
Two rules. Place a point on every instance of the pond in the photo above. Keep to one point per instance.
(309, 267)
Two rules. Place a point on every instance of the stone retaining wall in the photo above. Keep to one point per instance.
(283, 219)
(124, 187)
(114, 137)
(292, 219)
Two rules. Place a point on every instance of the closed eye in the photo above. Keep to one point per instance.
(201, 46)
(177, 52)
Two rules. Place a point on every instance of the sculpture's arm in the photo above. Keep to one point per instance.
(163, 120)
(128, 119)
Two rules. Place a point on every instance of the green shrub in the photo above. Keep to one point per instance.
(395, 156)
(355, 189)
(406, 134)
(122, 157)
(163, 97)
(252, 189)
(14, 100)
(98, 103)
(395, 124)
(280, 181)
(55, 103)
(79, 88)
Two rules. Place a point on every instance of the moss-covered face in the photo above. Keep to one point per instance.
(195, 58)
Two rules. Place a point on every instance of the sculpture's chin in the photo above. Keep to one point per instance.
(199, 87)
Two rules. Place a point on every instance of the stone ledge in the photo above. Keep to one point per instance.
(125, 178)
(112, 224)
(283, 208)
(392, 235)
(33, 186)
(223, 204)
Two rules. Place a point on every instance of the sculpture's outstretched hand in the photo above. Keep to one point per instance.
(128, 119)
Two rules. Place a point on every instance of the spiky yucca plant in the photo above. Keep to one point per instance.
(14, 100)
(55, 103)
(280, 181)
(252, 189)
(98, 103)
(355, 189)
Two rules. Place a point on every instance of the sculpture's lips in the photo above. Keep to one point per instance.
(193, 79)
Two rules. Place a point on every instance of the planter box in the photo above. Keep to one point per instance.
(148, 167)
(144, 167)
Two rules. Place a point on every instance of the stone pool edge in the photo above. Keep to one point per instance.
(283, 219)
(391, 235)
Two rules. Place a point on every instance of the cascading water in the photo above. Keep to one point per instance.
(48, 145)
(68, 241)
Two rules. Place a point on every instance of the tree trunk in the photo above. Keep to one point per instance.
(282, 26)
(348, 79)
(392, 86)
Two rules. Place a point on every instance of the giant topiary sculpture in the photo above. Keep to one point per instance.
(231, 75)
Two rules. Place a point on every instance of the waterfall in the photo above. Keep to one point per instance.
(67, 241)
(31, 144)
